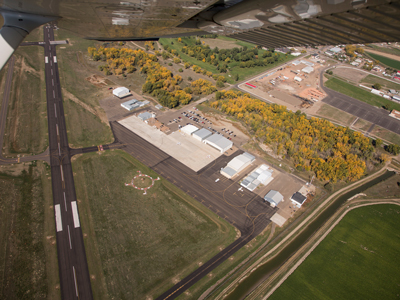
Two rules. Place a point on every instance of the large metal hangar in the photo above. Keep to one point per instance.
(189, 129)
(218, 142)
(121, 92)
(201, 134)
(237, 164)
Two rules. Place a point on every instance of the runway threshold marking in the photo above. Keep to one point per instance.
(69, 236)
(46, 60)
(75, 214)
(76, 284)
(65, 202)
(55, 59)
(58, 218)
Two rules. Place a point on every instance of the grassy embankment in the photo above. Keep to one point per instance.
(26, 126)
(140, 245)
(385, 60)
(85, 127)
(355, 261)
(370, 80)
(360, 94)
(233, 66)
(28, 256)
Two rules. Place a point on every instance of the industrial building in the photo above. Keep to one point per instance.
(121, 92)
(237, 164)
(298, 199)
(189, 129)
(219, 142)
(145, 116)
(273, 197)
(262, 175)
(130, 105)
(201, 134)
(308, 69)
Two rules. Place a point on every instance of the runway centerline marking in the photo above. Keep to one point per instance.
(54, 94)
(51, 72)
(59, 151)
(65, 202)
(55, 113)
(76, 285)
(57, 127)
(69, 236)
(62, 174)
(52, 82)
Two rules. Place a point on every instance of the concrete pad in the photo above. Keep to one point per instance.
(184, 148)
(278, 219)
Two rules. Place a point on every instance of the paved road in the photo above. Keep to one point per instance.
(72, 264)
(377, 116)
(245, 210)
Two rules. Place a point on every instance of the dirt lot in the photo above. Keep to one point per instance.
(351, 74)
(279, 86)
(221, 44)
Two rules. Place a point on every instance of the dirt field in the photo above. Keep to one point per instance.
(221, 44)
(351, 74)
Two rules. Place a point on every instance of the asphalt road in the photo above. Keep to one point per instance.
(375, 115)
(243, 209)
(73, 268)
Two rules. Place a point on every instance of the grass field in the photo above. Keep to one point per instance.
(234, 68)
(387, 135)
(357, 260)
(140, 245)
(385, 60)
(84, 128)
(371, 80)
(336, 115)
(387, 189)
(358, 93)
(26, 128)
(362, 124)
(28, 255)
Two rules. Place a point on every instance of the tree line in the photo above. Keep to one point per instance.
(333, 153)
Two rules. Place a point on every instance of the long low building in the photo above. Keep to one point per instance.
(201, 134)
(217, 141)
(130, 105)
(262, 175)
(237, 164)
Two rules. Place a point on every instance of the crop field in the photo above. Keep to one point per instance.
(371, 80)
(357, 260)
(26, 126)
(360, 94)
(385, 60)
(85, 127)
(140, 245)
(28, 255)
(390, 50)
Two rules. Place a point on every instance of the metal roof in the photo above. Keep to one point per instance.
(229, 171)
(189, 129)
(219, 141)
(273, 196)
(144, 116)
(299, 198)
(202, 133)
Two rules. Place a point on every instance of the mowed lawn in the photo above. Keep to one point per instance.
(140, 245)
(359, 259)
(358, 93)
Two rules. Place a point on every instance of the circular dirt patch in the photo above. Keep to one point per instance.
(142, 182)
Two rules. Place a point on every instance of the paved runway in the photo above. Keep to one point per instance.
(375, 115)
(72, 264)
(244, 210)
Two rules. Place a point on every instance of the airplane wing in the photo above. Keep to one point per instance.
(272, 23)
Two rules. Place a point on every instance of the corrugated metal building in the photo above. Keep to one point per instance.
(201, 134)
(219, 142)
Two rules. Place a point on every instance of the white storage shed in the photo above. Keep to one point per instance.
(121, 92)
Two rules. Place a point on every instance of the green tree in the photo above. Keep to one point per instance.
(393, 149)
(377, 86)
